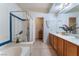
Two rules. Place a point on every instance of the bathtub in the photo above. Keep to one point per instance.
(15, 51)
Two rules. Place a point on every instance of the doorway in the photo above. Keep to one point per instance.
(39, 28)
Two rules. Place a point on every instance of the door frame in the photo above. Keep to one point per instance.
(35, 27)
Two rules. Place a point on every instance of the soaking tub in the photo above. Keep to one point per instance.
(15, 51)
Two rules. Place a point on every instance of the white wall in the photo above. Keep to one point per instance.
(4, 19)
(50, 25)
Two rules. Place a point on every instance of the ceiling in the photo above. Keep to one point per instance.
(75, 9)
(48, 7)
(37, 7)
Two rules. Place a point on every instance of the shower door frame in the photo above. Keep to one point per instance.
(12, 15)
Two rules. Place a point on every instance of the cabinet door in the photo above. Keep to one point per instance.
(51, 39)
(64, 48)
(71, 49)
(55, 42)
(60, 47)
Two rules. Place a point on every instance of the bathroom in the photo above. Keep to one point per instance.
(17, 26)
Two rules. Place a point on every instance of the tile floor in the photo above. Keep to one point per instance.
(42, 49)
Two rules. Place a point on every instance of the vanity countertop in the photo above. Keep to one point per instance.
(69, 38)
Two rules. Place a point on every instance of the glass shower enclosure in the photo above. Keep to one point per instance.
(20, 27)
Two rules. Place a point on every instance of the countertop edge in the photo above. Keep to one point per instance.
(74, 41)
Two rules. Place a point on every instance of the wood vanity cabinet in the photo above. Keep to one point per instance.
(63, 47)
